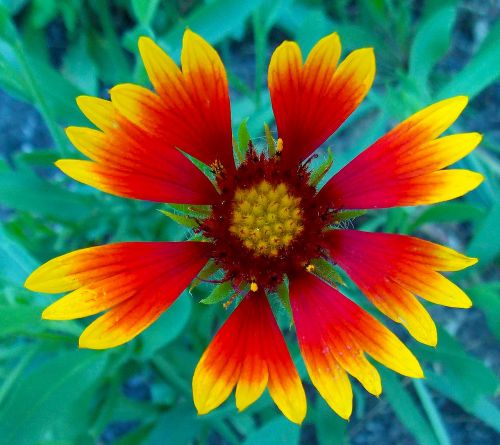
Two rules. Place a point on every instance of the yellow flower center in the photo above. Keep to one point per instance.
(266, 217)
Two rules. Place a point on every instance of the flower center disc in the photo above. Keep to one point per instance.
(266, 217)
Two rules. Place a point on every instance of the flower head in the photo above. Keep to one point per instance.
(265, 223)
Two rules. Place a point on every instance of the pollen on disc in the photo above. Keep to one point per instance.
(266, 217)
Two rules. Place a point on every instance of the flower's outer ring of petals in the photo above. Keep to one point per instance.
(249, 352)
(195, 101)
(403, 168)
(330, 325)
(136, 281)
(311, 100)
(391, 268)
(127, 184)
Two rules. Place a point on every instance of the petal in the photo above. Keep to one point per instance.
(391, 268)
(100, 112)
(250, 353)
(311, 101)
(135, 281)
(138, 186)
(130, 161)
(195, 106)
(334, 333)
(403, 168)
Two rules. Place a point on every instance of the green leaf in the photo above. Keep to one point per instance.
(486, 297)
(213, 20)
(145, 10)
(482, 70)
(219, 293)
(167, 327)
(485, 243)
(406, 410)
(15, 261)
(448, 212)
(23, 190)
(43, 397)
(79, 67)
(278, 431)
(466, 376)
(431, 43)
(179, 426)
(8, 30)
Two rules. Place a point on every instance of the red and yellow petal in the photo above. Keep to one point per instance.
(130, 162)
(137, 152)
(390, 269)
(334, 334)
(135, 282)
(249, 352)
(194, 102)
(403, 168)
(311, 100)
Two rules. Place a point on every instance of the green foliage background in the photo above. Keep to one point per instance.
(51, 393)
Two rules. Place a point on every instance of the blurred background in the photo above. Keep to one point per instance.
(51, 51)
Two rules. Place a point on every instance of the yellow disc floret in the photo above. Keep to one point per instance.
(266, 217)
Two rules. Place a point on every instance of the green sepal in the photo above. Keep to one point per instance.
(284, 298)
(186, 221)
(271, 143)
(318, 174)
(347, 215)
(195, 211)
(243, 141)
(326, 271)
(220, 293)
(208, 270)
